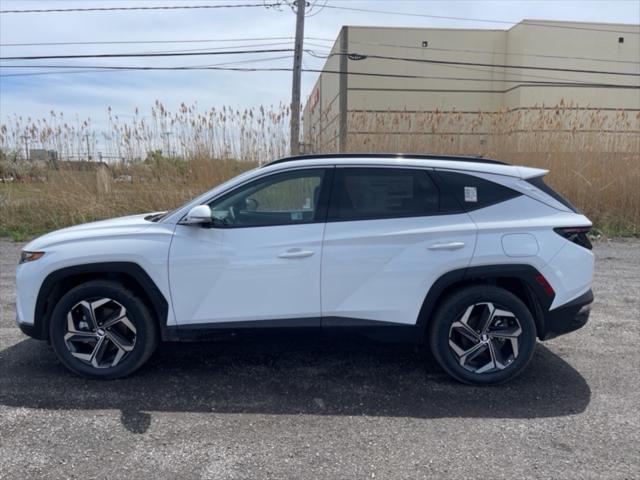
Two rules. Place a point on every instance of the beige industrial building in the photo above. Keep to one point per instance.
(478, 91)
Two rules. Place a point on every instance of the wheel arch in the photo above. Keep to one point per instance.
(518, 279)
(129, 274)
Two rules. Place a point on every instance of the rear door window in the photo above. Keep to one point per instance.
(377, 193)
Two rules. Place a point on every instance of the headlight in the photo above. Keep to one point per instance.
(30, 256)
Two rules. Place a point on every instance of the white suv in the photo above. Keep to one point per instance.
(474, 258)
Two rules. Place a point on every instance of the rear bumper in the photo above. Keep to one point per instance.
(568, 317)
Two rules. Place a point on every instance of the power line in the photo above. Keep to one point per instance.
(479, 69)
(146, 1)
(538, 55)
(466, 79)
(208, 49)
(521, 82)
(530, 78)
(136, 55)
(132, 42)
(335, 7)
(101, 69)
(352, 56)
(358, 42)
(359, 57)
(485, 70)
(483, 20)
(155, 7)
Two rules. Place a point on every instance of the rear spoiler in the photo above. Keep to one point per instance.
(530, 172)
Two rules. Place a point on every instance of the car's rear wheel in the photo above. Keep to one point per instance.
(483, 335)
(101, 329)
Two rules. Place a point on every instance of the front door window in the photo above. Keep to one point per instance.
(286, 198)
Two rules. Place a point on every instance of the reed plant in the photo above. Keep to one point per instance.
(593, 155)
(157, 161)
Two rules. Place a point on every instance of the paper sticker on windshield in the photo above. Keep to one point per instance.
(470, 194)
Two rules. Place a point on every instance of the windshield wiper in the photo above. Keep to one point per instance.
(155, 217)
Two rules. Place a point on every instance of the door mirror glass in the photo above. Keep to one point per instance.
(198, 215)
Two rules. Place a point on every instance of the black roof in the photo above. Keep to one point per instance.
(413, 156)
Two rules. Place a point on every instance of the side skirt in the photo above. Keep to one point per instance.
(326, 326)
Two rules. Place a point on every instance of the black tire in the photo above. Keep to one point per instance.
(454, 307)
(145, 335)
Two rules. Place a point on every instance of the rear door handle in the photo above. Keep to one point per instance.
(296, 253)
(446, 246)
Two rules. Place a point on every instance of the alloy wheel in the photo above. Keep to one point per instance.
(485, 339)
(99, 333)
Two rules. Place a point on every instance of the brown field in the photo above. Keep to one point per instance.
(159, 161)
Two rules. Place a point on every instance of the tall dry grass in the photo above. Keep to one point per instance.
(67, 196)
(136, 163)
(159, 161)
(593, 156)
(254, 134)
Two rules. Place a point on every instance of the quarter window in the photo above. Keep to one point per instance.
(282, 199)
(473, 192)
(373, 193)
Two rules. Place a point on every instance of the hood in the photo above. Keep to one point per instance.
(114, 227)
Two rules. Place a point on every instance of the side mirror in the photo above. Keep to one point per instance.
(198, 215)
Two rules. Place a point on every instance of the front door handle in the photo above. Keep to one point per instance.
(446, 246)
(296, 253)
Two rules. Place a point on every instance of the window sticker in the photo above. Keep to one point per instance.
(470, 194)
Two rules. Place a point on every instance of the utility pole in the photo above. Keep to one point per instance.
(297, 72)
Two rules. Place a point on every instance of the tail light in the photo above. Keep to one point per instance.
(577, 235)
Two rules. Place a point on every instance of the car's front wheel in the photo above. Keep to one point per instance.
(483, 335)
(101, 329)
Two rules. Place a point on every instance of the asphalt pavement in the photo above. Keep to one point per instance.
(260, 408)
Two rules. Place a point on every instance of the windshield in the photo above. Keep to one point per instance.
(199, 200)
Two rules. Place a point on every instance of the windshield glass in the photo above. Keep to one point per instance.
(201, 199)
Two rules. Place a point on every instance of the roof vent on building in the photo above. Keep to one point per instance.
(620, 39)
(425, 44)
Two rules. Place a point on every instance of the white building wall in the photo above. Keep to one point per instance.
(482, 104)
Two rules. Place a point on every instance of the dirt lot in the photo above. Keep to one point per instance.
(312, 409)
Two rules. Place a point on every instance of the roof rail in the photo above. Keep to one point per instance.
(412, 156)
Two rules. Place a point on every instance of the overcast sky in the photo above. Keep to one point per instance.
(89, 94)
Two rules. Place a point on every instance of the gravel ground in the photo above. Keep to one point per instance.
(310, 409)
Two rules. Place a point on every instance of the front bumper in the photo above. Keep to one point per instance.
(28, 329)
(568, 317)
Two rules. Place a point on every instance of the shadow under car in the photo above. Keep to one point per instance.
(289, 375)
